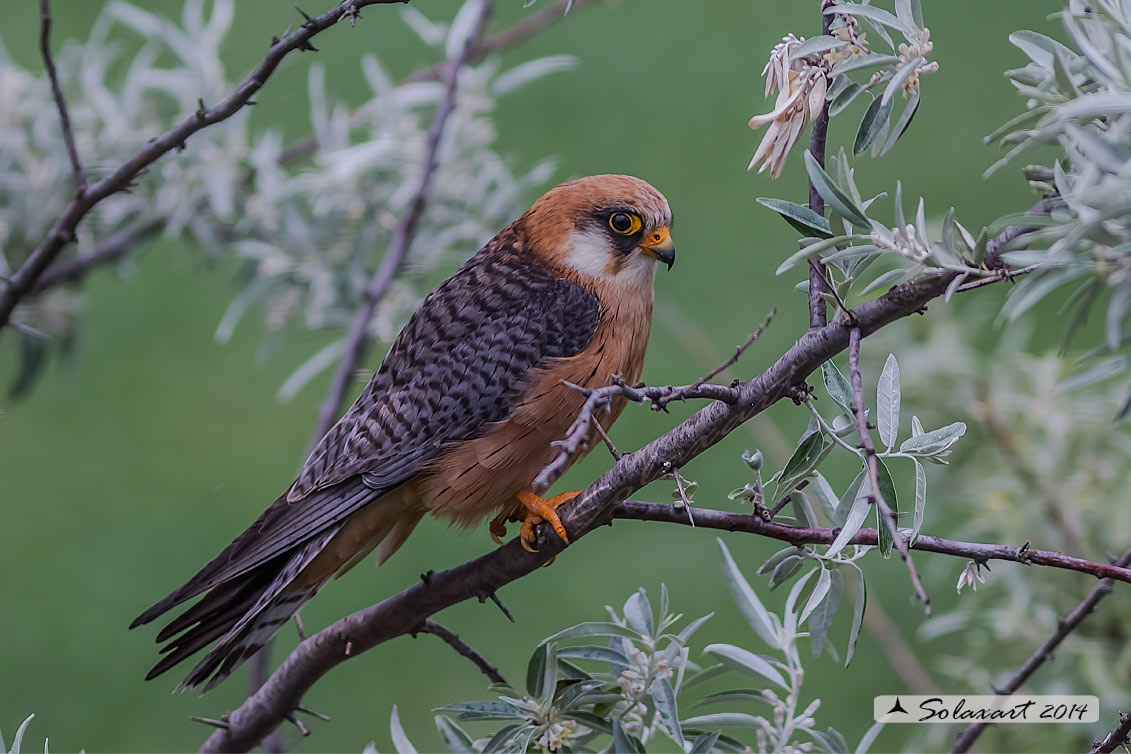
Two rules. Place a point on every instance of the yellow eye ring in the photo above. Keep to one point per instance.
(625, 223)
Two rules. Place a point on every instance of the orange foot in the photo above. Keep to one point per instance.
(498, 526)
(539, 509)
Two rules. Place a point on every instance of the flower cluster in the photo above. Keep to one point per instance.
(801, 85)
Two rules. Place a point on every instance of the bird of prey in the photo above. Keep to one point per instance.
(458, 420)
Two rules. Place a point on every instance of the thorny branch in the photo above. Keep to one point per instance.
(451, 638)
(62, 233)
(57, 91)
(594, 506)
(1115, 739)
(1044, 652)
(357, 341)
(872, 462)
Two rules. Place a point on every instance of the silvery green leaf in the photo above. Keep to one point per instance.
(887, 402)
(887, 490)
(776, 558)
(532, 70)
(623, 743)
(593, 652)
(592, 628)
(722, 720)
(741, 659)
(820, 590)
(851, 252)
(454, 736)
(857, 613)
(1102, 153)
(462, 27)
(935, 441)
(805, 220)
(485, 710)
(802, 510)
(664, 697)
(872, 13)
(1106, 369)
(901, 124)
(1038, 47)
(814, 45)
(869, 738)
(748, 602)
(501, 738)
(807, 457)
(899, 79)
(875, 119)
(430, 33)
(790, 613)
(837, 386)
(1117, 309)
(860, 62)
(692, 627)
(826, 498)
(891, 277)
(814, 248)
(855, 517)
(309, 369)
(705, 743)
(916, 426)
(920, 500)
(821, 618)
(400, 740)
(844, 98)
(833, 195)
(785, 570)
(638, 613)
(953, 286)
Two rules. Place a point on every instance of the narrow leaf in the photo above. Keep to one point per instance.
(887, 402)
(748, 602)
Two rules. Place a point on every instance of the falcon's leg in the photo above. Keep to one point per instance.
(539, 509)
(498, 526)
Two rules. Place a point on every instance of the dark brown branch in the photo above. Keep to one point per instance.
(1115, 739)
(451, 638)
(872, 462)
(504, 40)
(1044, 652)
(111, 250)
(484, 576)
(57, 91)
(357, 341)
(708, 518)
(63, 231)
(1000, 243)
(818, 312)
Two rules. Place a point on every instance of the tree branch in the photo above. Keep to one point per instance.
(63, 231)
(403, 234)
(818, 312)
(1115, 739)
(57, 91)
(451, 638)
(1044, 652)
(872, 462)
(482, 577)
(111, 250)
(504, 40)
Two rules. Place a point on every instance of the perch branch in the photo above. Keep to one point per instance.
(1044, 652)
(57, 91)
(872, 462)
(62, 232)
(451, 638)
(403, 234)
(1115, 739)
(480, 578)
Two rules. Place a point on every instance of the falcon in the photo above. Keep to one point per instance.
(458, 420)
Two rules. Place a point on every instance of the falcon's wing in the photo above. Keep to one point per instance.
(458, 365)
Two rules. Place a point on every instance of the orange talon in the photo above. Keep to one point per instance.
(498, 528)
(542, 509)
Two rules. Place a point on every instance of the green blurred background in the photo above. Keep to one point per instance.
(134, 462)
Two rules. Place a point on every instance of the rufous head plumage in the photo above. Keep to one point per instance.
(607, 229)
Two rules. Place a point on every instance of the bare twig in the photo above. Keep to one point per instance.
(998, 245)
(403, 234)
(63, 231)
(111, 250)
(1115, 739)
(818, 312)
(404, 612)
(1044, 652)
(451, 638)
(873, 464)
(737, 353)
(57, 91)
(504, 40)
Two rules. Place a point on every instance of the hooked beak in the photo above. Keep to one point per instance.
(660, 246)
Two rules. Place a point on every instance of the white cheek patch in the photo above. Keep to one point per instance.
(591, 254)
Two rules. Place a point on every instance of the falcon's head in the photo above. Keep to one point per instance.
(611, 229)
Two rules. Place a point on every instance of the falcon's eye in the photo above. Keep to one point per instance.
(625, 223)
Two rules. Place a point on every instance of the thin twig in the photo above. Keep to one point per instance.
(1044, 652)
(57, 91)
(593, 507)
(112, 249)
(997, 245)
(818, 312)
(357, 341)
(504, 40)
(63, 231)
(1115, 739)
(451, 638)
(737, 352)
(872, 462)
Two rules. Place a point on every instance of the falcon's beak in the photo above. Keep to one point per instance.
(660, 246)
